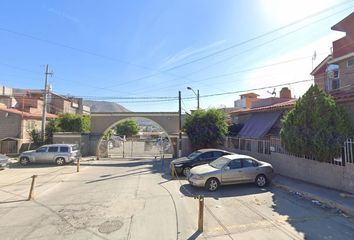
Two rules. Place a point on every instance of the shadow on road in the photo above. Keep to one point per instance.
(223, 191)
(123, 164)
(35, 165)
(120, 176)
(195, 235)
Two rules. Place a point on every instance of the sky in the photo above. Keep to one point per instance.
(109, 50)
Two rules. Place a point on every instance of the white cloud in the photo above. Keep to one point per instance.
(190, 53)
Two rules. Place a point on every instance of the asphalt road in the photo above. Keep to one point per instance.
(135, 199)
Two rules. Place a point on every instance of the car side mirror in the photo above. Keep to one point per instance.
(226, 168)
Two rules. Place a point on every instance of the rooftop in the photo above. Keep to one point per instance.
(26, 114)
(345, 24)
(274, 107)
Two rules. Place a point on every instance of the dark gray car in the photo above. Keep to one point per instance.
(199, 157)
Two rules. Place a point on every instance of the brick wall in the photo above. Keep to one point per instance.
(346, 74)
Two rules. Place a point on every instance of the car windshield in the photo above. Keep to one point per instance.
(219, 163)
(193, 154)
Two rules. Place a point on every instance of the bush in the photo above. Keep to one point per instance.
(206, 128)
(316, 127)
(68, 122)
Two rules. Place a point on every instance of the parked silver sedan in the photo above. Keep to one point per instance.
(231, 169)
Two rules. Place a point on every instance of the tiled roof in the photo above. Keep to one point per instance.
(274, 107)
(26, 114)
(343, 95)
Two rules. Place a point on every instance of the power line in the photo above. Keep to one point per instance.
(260, 36)
(238, 54)
(235, 72)
(246, 41)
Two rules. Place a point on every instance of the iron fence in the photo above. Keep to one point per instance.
(267, 147)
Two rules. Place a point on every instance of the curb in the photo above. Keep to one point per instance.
(329, 203)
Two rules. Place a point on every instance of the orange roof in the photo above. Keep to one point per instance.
(270, 108)
(26, 114)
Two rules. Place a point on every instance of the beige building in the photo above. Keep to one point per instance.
(15, 126)
(55, 103)
(21, 111)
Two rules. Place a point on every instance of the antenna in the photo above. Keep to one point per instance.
(272, 93)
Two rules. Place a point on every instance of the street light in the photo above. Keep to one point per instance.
(196, 94)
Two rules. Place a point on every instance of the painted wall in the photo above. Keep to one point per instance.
(324, 174)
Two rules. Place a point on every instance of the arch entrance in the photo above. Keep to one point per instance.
(164, 141)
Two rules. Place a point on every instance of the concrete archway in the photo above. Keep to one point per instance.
(103, 121)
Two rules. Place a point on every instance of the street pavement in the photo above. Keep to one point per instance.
(137, 199)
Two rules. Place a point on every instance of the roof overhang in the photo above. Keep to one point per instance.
(344, 57)
(322, 64)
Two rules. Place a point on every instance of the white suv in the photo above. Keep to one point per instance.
(53, 153)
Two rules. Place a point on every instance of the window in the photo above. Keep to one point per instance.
(350, 62)
(31, 125)
(64, 149)
(218, 154)
(332, 77)
(249, 163)
(53, 149)
(235, 164)
(207, 155)
(41, 149)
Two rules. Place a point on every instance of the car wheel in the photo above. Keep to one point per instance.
(261, 180)
(212, 184)
(186, 171)
(60, 161)
(24, 161)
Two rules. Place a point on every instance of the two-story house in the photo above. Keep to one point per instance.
(335, 74)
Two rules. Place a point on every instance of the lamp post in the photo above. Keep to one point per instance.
(196, 94)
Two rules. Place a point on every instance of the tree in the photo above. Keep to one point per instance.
(52, 127)
(316, 127)
(74, 122)
(127, 128)
(35, 136)
(206, 128)
(68, 122)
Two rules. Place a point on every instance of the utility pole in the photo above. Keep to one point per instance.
(198, 99)
(180, 124)
(44, 113)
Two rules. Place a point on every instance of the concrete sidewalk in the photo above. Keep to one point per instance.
(319, 195)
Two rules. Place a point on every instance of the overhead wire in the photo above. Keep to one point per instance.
(245, 51)
(247, 41)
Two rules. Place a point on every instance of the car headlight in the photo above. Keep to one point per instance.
(198, 177)
(178, 165)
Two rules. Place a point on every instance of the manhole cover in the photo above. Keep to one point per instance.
(110, 226)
